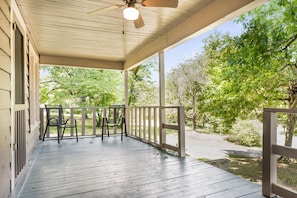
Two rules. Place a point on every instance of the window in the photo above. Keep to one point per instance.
(19, 68)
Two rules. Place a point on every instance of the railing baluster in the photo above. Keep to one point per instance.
(94, 126)
(155, 125)
(135, 132)
(131, 120)
(144, 124)
(139, 122)
(149, 124)
(162, 131)
(83, 121)
(71, 121)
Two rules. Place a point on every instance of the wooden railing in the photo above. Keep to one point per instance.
(271, 151)
(88, 121)
(149, 124)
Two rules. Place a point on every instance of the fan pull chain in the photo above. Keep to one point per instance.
(123, 32)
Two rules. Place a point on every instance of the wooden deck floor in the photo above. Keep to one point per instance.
(91, 168)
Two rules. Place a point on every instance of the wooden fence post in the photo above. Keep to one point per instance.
(269, 164)
(181, 132)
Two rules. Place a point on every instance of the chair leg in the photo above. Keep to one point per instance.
(58, 133)
(63, 133)
(125, 126)
(45, 131)
(126, 129)
(103, 125)
(122, 126)
(47, 125)
(76, 131)
(107, 128)
(121, 131)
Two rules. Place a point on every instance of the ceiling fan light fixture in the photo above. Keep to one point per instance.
(131, 13)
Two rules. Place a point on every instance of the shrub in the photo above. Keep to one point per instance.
(246, 134)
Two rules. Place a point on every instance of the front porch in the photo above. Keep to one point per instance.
(128, 168)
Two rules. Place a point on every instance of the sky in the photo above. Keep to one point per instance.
(194, 46)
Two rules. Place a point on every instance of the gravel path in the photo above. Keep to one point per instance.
(212, 146)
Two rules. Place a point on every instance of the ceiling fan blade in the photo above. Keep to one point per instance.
(138, 23)
(102, 10)
(160, 3)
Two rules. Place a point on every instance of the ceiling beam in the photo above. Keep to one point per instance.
(80, 62)
(214, 14)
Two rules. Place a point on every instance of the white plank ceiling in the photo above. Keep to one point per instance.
(65, 34)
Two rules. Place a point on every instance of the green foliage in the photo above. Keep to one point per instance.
(246, 134)
(253, 70)
(185, 86)
(44, 97)
(142, 88)
(80, 87)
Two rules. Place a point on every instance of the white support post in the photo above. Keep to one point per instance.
(127, 115)
(162, 98)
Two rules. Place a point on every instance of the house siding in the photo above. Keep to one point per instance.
(32, 93)
(5, 100)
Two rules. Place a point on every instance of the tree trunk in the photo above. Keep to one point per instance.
(290, 129)
(291, 120)
(194, 111)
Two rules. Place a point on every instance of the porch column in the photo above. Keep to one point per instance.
(126, 100)
(269, 162)
(162, 97)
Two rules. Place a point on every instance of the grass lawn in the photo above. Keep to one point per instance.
(251, 169)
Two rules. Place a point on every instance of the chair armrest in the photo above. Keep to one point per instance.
(56, 119)
(66, 121)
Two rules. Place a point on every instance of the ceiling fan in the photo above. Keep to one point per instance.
(132, 13)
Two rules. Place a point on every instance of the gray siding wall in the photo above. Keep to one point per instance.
(5, 99)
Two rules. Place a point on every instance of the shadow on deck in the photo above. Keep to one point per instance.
(112, 168)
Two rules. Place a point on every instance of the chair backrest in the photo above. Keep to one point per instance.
(62, 115)
(53, 113)
(116, 113)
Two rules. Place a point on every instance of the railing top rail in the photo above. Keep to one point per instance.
(276, 110)
(163, 107)
(66, 107)
(173, 107)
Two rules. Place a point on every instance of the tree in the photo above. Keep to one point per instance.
(80, 87)
(258, 68)
(185, 85)
(142, 88)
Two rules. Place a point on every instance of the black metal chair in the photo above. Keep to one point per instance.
(55, 118)
(115, 117)
(67, 124)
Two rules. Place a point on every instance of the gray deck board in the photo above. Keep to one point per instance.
(112, 168)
